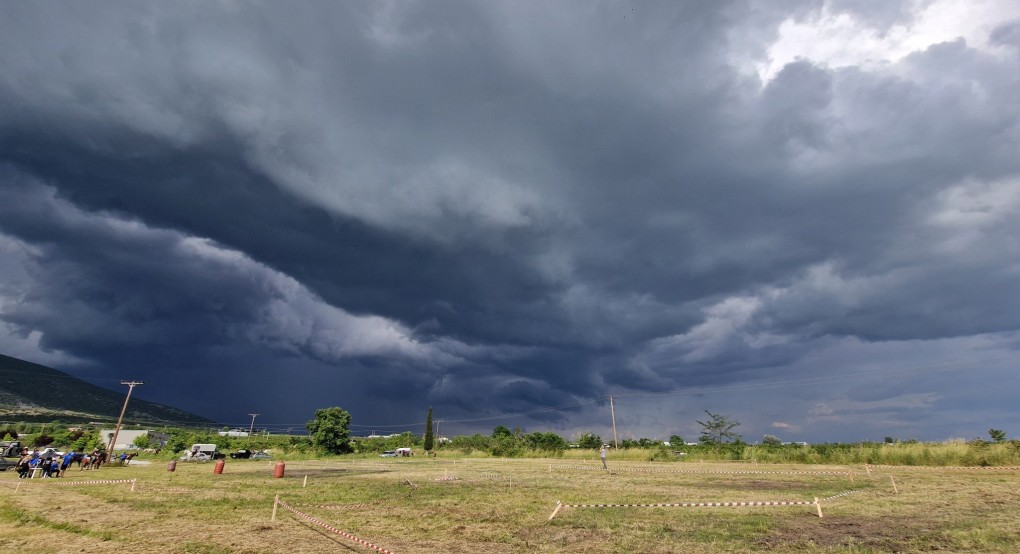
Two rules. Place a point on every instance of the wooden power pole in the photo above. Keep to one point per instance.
(612, 411)
(113, 440)
(252, 428)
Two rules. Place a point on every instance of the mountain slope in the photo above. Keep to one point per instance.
(31, 391)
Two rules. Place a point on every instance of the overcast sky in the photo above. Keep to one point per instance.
(802, 214)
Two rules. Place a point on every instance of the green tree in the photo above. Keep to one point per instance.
(87, 442)
(501, 431)
(429, 437)
(550, 442)
(141, 441)
(329, 430)
(771, 440)
(468, 444)
(998, 435)
(506, 445)
(676, 440)
(179, 440)
(589, 440)
(718, 429)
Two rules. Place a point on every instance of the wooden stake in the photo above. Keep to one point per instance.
(819, 507)
(894, 487)
(305, 483)
(868, 469)
(851, 474)
(133, 481)
(275, 502)
(556, 511)
(17, 487)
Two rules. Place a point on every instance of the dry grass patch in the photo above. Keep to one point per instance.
(502, 506)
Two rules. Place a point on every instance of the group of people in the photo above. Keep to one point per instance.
(55, 466)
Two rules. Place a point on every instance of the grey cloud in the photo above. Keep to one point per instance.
(551, 202)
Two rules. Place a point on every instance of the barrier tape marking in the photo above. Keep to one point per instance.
(835, 496)
(817, 503)
(986, 468)
(332, 506)
(719, 472)
(698, 504)
(104, 482)
(334, 529)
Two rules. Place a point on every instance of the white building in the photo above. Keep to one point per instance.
(233, 433)
(125, 439)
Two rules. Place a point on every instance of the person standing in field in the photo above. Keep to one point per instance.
(66, 463)
(602, 454)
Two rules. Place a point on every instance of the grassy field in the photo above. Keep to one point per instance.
(470, 504)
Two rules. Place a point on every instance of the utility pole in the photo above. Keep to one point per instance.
(113, 441)
(252, 428)
(612, 411)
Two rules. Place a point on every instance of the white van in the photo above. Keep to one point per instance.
(201, 452)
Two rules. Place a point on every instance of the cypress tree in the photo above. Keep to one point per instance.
(429, 439)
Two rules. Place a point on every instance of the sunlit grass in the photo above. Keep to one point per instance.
(454, 504)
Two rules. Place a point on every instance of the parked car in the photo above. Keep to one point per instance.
(388, 454)
(260, 456)
(7, 462)
(242, 454)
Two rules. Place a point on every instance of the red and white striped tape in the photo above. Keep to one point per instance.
(835, 496)
(334, 529)
(332, 506)
(699, 504)
(713, 471)
(101, 482)
(986, 468)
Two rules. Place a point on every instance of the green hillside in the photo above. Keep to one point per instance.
(33, 392)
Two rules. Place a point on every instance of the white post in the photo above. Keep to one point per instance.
(819, 507)
(305, 483)
(275, 502)
(894, 488)
(556, 511)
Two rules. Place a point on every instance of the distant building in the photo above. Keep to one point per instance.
(233, 433)
(125, 439)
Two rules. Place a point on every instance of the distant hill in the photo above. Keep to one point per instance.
(33, 392)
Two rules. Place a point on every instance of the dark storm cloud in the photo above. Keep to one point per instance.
(493, 207)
